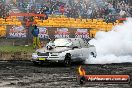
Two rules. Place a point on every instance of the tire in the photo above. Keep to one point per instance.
(93, 55)
(67, 61)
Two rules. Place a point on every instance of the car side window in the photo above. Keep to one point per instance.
(76, 43)
(83, 43)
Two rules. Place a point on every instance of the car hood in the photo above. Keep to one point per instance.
(55, 50)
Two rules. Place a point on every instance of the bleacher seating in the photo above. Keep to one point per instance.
(2, 30)
(62, 21)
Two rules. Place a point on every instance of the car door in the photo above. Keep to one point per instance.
(76, 51)
(84, 49)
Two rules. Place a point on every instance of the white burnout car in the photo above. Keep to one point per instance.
(65, 50)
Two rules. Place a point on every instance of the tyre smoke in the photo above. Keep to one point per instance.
(114, 46)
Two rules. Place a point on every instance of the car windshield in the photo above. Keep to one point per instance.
(62, 42)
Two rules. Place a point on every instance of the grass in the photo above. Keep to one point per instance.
(28, 49)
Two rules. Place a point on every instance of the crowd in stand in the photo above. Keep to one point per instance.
(4, 10)
(110, 10)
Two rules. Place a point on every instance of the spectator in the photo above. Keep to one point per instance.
(122, 13)
(84, 8)
(62, 10)
(36, 41)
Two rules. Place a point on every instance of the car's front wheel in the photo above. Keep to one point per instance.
(67, 60)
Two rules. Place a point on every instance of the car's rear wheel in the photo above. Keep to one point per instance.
(67, 61)
(93, 54)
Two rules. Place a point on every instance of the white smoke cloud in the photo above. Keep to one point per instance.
(114, 46)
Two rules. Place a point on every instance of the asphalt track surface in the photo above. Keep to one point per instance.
(23, 74)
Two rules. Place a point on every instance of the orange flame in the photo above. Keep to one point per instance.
(81, 71)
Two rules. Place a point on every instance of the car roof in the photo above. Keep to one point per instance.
(73, 39)
(70, 38)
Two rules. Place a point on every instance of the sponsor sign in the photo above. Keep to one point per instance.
(43, 33)
(82, 33)
(47, 32)
(16, 32)
(112, 79)
(62, 33)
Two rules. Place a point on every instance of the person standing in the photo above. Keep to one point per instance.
(62, 10)
(36, 41)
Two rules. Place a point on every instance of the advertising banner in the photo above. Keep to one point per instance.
(62, 33)
(47, 32)
(43, 33)
(16, 32)
(82, 33)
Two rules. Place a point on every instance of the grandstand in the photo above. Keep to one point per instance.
(77, 14)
